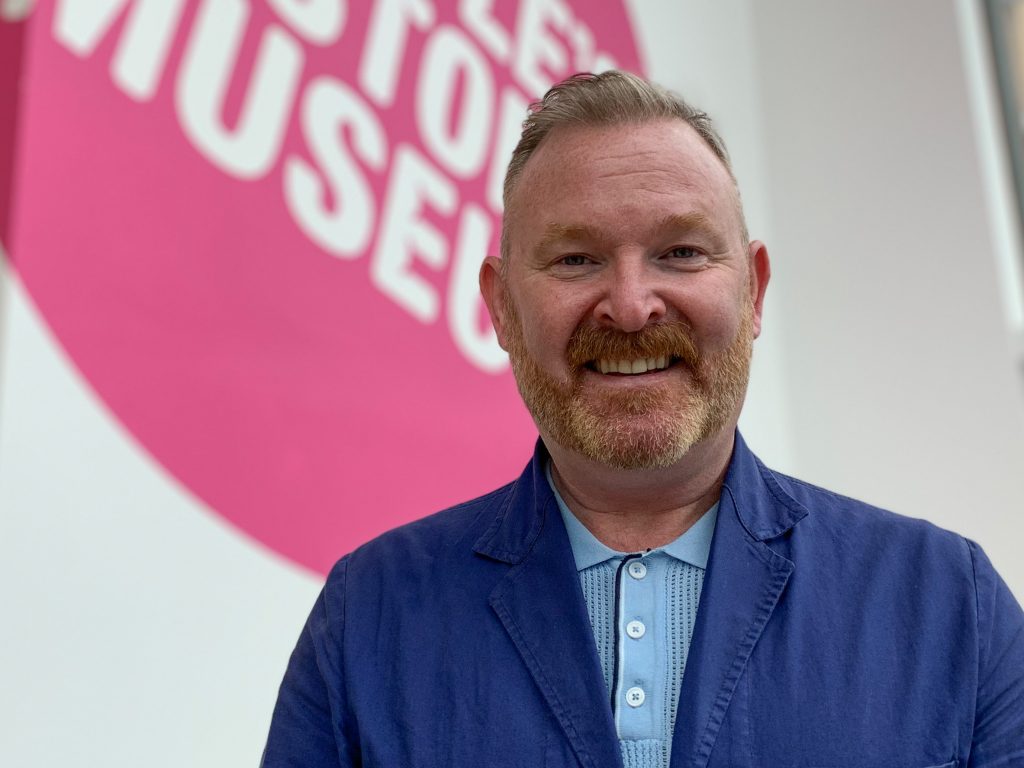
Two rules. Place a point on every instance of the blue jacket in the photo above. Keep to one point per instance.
(829, 634)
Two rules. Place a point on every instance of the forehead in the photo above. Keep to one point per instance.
(617, 179)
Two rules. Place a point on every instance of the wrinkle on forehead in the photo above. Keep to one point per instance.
(657, 175)
(660, 168)
(632, 155)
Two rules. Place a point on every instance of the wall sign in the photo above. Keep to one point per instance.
(255, 227)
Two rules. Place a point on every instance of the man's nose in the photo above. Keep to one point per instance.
(631, 297)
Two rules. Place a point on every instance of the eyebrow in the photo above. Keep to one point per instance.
(687, 222)
(675, 222)
(557, 233)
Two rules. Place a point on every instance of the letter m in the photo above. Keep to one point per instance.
(145, 40)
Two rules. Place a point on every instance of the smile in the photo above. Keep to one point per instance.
(633, 367)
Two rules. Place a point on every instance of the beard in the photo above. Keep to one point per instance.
(650, 427)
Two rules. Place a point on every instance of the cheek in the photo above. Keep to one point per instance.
(546, 336)
(716, 321)
(546, 316)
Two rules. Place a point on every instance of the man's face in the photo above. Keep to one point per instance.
(630, 300)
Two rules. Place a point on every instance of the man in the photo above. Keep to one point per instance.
(647, 593)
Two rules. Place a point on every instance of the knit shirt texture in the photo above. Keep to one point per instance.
(642, 608)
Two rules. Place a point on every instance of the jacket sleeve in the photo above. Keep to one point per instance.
(999, 718)
(311, 726)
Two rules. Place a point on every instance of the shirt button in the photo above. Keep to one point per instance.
(635, 696)
(635, 629)
(637, 569)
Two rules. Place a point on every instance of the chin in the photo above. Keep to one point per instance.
(649, 441)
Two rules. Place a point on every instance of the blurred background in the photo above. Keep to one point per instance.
(239, 333)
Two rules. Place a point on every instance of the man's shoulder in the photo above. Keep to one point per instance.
(448, 535)
(850, 523)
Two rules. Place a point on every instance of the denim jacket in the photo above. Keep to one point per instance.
(830, 633)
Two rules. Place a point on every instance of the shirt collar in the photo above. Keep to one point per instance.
(692, 547)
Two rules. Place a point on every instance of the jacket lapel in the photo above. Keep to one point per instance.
(540, 604)
(744, 581)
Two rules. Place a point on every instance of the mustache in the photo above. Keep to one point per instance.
(670, 339)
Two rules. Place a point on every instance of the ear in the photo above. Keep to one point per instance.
(760, 271)
(495, 293)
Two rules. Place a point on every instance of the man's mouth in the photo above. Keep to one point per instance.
(632, 367)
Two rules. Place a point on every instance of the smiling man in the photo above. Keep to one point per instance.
(647, 593)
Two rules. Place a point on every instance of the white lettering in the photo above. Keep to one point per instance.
(142, 50)
(329, 107)
(16, 10)
(477, 342)
(536, 47)
(249, 149)
(380, 65)
(582, 40)
(603, 62)
(318, 21)
(450, 53)
(405, 235)
(510, 124)
(477, 17)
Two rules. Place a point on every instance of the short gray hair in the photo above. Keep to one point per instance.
(610, 98)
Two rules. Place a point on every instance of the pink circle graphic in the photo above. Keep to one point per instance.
(255, 227)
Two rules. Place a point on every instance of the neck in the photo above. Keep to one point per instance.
(631, 510)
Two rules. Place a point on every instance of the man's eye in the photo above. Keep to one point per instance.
(683, 252)
(574, 260)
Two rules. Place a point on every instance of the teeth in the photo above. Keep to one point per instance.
(633, 367)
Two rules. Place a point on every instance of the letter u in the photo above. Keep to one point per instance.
(250, 148)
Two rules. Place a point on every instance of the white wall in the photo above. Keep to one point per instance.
(901, 380)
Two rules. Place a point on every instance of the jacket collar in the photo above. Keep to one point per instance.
(763, 507)
(519, 521)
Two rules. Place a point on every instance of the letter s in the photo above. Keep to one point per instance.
(329, 107)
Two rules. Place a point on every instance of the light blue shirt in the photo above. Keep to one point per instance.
(642, 608)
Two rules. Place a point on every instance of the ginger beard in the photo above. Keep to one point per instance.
(648, 427)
